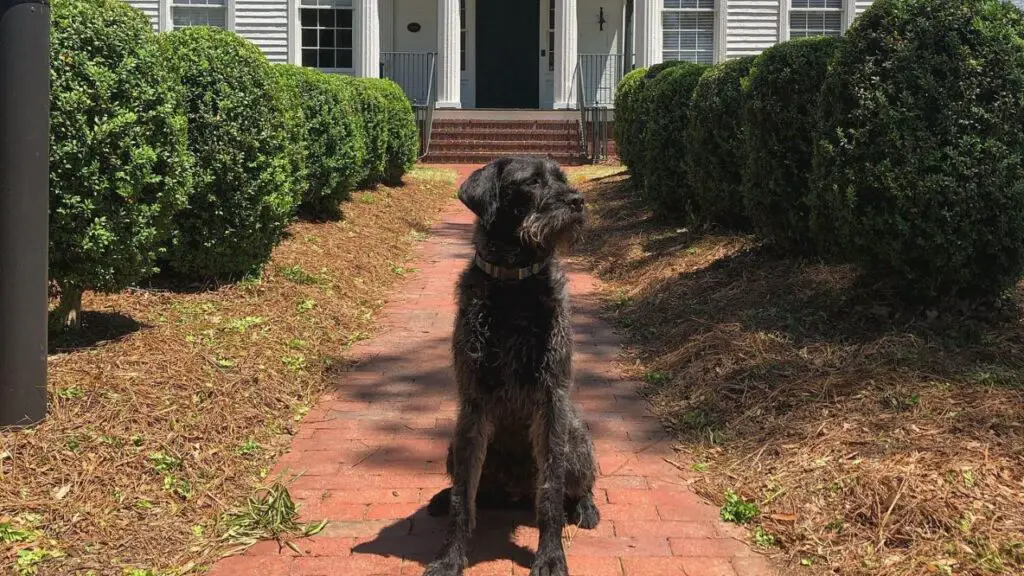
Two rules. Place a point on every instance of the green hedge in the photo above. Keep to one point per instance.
(334, 139)
(241, 134)
(665, 152)
(714, 145)
(403, 145)
(781, 96)
(119, 165)
(629, 118)
(373, 107)
(920, 167)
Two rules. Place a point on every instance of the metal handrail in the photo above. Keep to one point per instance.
(416, 73)
(597, 76)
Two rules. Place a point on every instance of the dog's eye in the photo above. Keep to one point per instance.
(535, 181)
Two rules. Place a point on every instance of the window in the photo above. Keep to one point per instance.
(688, 30)
(185, 13)
(815, 18)
(326, 33)
(462, 35)
(551, 36)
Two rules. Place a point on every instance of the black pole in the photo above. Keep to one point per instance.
(627, 40)
(24, 201)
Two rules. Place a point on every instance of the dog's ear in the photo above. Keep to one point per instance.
(480, 192)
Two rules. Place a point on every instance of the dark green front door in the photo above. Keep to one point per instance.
(507, 48)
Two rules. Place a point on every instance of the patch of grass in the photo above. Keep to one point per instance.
(249, 448)
(242, 324)
(11, 535)
(306, 304)
(700, 467)
(271, 515)
(657, 378)
(401, 270)
(71, 393)
(296, 274)
(29, 560)
(764, 538)
(294, 362)
(164, 463)
(737, 510)
(367, 198)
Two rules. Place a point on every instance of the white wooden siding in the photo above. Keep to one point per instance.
(751, 26)
(264, 23)
(151, 8)
(862, 5)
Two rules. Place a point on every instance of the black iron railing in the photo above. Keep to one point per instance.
(597, 76)
(415, 72)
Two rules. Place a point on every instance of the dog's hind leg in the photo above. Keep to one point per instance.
(470, 448)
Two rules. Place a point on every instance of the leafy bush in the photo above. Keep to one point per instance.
(714, 144)
(632, 110)
(920, 166)
(240, 133)
(629, 117)
(664, 166)
(373, 107)
(119, 166)
(334, 142)
(403, 144)
(780, 118)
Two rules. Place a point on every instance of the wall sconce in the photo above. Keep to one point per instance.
(600, 20)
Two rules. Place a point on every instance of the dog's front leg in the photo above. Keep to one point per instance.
(470, 449)
(550, 431)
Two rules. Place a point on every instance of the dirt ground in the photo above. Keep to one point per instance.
(170, 406)
(873, 439)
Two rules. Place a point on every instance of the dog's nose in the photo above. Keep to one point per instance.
(576, 200)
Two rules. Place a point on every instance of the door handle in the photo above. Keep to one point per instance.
(543, 52)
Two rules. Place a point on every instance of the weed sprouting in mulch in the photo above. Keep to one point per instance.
(869, 438)
(169, 409)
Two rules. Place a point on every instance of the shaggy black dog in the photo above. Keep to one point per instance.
(518, 439)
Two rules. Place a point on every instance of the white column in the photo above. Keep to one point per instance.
(387, 25)
(367, 39)
(647, 38)
(566, 54)
(449, 75)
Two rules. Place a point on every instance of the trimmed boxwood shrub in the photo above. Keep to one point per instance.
(334, 143)
(373, 108)
(714, 145)
(119, 165)
(241, 135)
(629, 118)
(781, 95)
(664, 166)
(921, 163)
(403, 144)
(632, 109)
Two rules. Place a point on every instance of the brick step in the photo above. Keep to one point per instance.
(505, 125)
(483, 157)
(505, 135)
(539, 147)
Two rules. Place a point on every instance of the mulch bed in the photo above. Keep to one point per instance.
(875, 439)
(170, 406)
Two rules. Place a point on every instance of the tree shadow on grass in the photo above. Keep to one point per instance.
(96, 328)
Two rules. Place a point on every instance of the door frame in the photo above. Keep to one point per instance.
(546, 98)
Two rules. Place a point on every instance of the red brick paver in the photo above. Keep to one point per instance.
(371, 455)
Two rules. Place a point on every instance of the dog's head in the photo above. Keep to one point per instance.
(526, 201)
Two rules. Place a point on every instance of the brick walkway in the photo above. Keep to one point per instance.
(372, 454)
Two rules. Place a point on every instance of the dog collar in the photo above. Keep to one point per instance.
(502, 273)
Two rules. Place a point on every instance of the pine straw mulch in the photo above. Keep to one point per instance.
(169, 408)
(875, 439)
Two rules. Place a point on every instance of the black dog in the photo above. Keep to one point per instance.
(518, 438)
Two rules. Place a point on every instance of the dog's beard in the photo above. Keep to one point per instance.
(557, 231)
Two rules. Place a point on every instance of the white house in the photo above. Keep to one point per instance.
(519, 54)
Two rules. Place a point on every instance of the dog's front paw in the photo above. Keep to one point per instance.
(445, 566)
(588, 516)
(550, 564)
